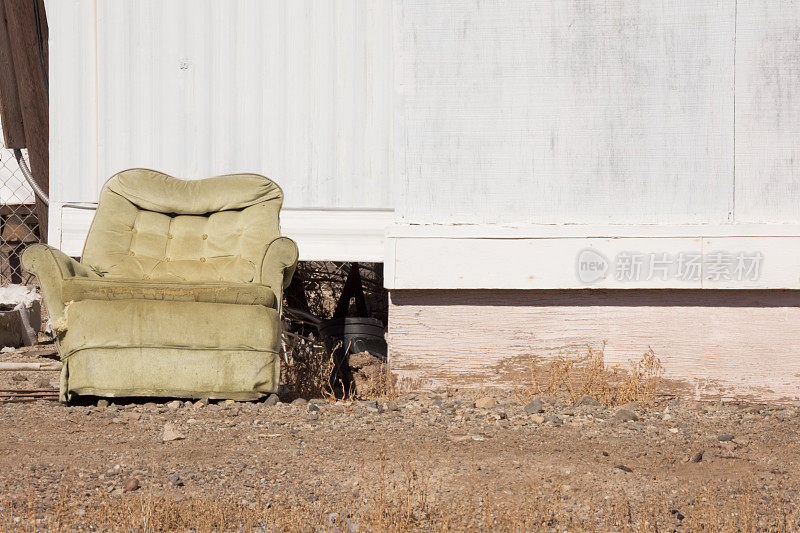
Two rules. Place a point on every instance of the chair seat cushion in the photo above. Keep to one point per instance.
(78, 289)
(184, 349)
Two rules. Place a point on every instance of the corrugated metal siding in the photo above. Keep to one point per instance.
(607, 111)
(73, 105)
(300, 91)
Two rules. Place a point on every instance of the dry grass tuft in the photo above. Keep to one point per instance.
(588, 374)
(399, 498)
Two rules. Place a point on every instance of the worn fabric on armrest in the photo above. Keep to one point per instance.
(52, 266)
(279, 264)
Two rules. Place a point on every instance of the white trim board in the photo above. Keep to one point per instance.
(547, 257)
(321, 234)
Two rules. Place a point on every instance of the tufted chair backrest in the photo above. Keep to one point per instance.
(149, 225)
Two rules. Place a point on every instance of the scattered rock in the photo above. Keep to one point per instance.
(43, 383)
(176, 480)
(174, 405)
(486, 402)
(391, 406)
(727, 437)
(554, 419)
(677, 514)
(536, 406)
(102, 403)
(171, 433)
(625, 415)
(312, 408)
(378, 409)
(16, 376)
(587, 400)
(131, 416)
(131, 484)
(273, 399)
(536, 418)
(697, 457)
(299, 401)
(623, 468)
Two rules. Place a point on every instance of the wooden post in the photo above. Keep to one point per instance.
(10, 110)
(27, 31)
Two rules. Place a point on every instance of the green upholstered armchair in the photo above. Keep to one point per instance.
(178, 292)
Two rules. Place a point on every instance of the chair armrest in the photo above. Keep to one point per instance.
(52, 266)
(280, 261)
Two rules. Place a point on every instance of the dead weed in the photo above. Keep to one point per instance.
(400, 498)
(308, 366)
(576, 375)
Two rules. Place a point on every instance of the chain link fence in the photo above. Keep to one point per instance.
(19, 225)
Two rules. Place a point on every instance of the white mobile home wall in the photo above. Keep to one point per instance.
(299, 91)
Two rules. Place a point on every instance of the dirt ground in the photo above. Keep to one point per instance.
(425, 461)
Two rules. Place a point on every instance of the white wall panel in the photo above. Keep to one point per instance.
(768, 111)
(73, 104)
(607, 111)
(299, 91)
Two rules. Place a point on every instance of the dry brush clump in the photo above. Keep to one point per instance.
(576, 375)
(308, 366)
(310, 370)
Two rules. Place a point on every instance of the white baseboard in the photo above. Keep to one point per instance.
(559, 257)
(321, 234)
